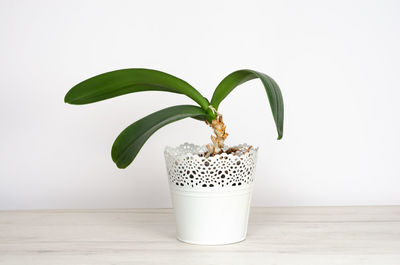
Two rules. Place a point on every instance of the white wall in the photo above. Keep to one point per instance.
(337, 63)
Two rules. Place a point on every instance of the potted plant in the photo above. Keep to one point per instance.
(210, 185)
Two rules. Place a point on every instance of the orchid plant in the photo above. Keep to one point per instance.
(131, 140)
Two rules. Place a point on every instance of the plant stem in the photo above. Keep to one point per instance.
(220, 135)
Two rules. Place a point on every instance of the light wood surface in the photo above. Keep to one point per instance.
(300, 235)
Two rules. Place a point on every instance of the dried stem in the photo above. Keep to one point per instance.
(220, 135)
(217, 146)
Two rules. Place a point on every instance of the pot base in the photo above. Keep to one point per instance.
(211, 217)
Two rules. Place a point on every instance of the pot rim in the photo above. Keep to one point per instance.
(188, 170)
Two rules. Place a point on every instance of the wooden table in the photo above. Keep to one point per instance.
(299, 235)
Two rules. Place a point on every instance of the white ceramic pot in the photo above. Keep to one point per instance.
(211, 196)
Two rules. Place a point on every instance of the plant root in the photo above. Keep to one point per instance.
(218, 140)
(217, 146)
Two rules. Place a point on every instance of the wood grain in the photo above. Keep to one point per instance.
(299, 235)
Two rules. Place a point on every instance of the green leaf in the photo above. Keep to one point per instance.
(130, 141)
(271, 87)
(120, 82)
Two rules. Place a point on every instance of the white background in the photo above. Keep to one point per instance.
(337, 63)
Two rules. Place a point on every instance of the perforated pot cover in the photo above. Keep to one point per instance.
(211, 196)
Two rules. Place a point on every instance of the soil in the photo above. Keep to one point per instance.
(231, 150)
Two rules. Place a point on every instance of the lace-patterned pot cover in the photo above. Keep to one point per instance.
(187, 170)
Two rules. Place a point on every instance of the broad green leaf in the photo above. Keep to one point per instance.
(271, 87)
(120, 82)
(130, 141)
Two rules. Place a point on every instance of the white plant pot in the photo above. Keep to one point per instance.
(211, 196)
